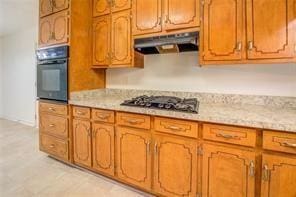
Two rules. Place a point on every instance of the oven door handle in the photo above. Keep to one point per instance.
(52, 62)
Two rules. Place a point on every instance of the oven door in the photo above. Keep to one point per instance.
(52, 80)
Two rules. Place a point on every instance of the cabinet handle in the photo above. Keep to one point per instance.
(167, 19)
(265, 173)
(155, 148)
(104, 117)
(131, 121)
(53, 3)
(148, 147)
(51, 109)
(80, 113)
(288, 144)
(51, 125)
(52, 146)
(159, 21)
(250, 45)
(226, 136)
(239, 46)
(174, 128)
(252, 169)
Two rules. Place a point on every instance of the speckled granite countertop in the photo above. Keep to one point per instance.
(264, 112)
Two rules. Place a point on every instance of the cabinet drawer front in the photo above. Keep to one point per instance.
(228, 134)
(176, 127)
(103, 115)
(53, 108)
(133, 120)
(81, 112)
(278, 141)
(54, 125)
(54, 146)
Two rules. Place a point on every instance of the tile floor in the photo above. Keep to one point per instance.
(25, 171)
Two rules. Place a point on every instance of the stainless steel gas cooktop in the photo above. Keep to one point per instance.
(164, 102)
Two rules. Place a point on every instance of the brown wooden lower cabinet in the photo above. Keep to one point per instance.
(278, 176)
(175, 166)
(227, 172)
(82, 142)
(134, 156)
(103, 148)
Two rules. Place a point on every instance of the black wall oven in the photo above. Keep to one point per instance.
(52, 73)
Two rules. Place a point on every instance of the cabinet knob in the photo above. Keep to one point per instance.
(265, 173)
(250, 45)
(239, 46)
(252, 169)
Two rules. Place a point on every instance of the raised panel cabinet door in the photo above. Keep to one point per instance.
(82, 142)
(60, 27)
(227, 172)
(119, 5)
(45, 31)
(147, 17)
(45, 7)
(181, 15)
(101, 41)
(103, 148)
(101, 7)
(175, 166)
(133, 157)
(59, 5)
(121, 38)
(222, 30)
(270, 29)
(278, 176)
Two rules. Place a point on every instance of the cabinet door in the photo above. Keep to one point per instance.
(147, 17)
(60, 27)
(103, 148)
(101, 7)
(133, 157)
(45, 33)
(45, 7)
(101, 41)
(121, 38)
(278, 176)
(59, 5)
(223, 32)
(175, 167)
(270, 29)
(118, 5)
(227, 172)
(181, 15)
(82, 142)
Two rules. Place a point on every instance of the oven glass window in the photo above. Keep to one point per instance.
(51, 80)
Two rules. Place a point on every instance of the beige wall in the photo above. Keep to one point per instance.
(179, 72)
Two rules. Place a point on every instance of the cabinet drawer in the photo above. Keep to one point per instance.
(53, 108)
(133, 120)
(54, 125)
(228, 134)
(81, 112)
(176, 127)
(279, 141)
(54, 146)
(103, 115)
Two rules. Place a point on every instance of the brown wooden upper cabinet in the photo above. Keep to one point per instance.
(112, 39)
(103, 7)
(265, 31)
(54, 29)
(164, 15)
(47, 7)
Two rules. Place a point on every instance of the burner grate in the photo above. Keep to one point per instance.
(164, 102)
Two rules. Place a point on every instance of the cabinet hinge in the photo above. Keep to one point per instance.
(199, 151)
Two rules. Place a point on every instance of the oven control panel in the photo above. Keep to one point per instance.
(53, 53)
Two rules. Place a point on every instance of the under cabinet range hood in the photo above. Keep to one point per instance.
(175, 43)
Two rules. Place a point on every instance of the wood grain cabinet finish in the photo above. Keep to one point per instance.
(54, 125)
(119, 5)
(147, 17)
(278, 176)
(54, 29)
(175, 166)
(59, 5)
(82, 142)
(181, 15)
(134, 157)
(223, 30)
(103, 148)
(105, 116)
(81, 112)
(271, 29)
(279, 141)
(228, 134)
(101, 7)
(56, 109)
(45, 7)
(133, 120)
(102, 41)
(227, 172)
(121, 38)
